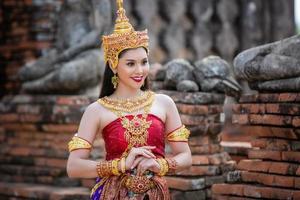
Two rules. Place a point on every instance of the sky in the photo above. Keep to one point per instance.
(297, 12)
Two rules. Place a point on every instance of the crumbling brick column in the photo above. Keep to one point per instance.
(201, 113)
(272, 170)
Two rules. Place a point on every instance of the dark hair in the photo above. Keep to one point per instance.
(107, 87)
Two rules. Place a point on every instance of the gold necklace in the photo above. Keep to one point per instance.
(128, 105)
(136, 129)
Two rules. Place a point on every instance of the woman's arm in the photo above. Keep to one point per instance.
(180, 150)
(78, 165)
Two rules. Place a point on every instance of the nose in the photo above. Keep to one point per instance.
(139, 68)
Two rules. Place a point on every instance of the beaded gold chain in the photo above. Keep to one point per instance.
(128, 105)
(136, 129)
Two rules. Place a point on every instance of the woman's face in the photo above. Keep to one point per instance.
(133, 68)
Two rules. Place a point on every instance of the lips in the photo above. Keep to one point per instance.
(137, 78)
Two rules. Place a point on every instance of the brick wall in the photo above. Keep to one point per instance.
(272, 170)
(34, 131)
(27, 30)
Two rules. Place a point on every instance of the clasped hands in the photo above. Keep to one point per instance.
(143, 159)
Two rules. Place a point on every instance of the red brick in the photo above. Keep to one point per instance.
(192, 120)
(19, 127)
(30, 118)
(192, 109)
(74, 100)
(200, 171)
(279, 168)
(206, 149)
(267, 98)
(201, 160)
(296, 195)
(70, 128)
(200, 140)
(240, 119)
(296, 121)
(270, 119)
(283, 181)
(51, 162)
(11, 117)
(185, 184)
(272, 144)
(249, 108)
(297, 182)
(282, 108)
(228, 189)
(249, 98)
(298, 171)
(264, 154)
(293, 156)
(32, 109)
(287, 97)
(254, 165)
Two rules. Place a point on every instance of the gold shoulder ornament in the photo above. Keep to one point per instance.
(78, 143)
(179, 135)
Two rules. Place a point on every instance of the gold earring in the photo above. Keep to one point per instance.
(115, 81)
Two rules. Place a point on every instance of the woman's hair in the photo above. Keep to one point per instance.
(107, 87)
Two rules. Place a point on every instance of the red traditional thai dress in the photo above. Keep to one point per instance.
(115, 144)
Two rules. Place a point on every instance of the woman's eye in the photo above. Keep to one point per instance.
(145, 62)
(130, 64)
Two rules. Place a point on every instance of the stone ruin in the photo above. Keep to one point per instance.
(75, 64)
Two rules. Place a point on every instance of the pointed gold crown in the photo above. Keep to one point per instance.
(123, 37)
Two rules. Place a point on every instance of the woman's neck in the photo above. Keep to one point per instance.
(122, 93)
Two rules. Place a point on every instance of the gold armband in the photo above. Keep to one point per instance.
(179, 135)
(78, 143)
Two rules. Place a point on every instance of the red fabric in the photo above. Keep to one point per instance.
(115, 143)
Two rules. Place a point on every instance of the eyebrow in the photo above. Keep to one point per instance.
(134, 59)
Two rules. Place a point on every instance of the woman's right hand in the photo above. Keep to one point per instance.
(135, 152)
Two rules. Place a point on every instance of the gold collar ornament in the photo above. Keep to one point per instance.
(123, 37)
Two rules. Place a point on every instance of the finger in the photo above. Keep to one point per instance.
(148, 154)
(136, 162)
(140, 169)
(148, 147)
(144, 152)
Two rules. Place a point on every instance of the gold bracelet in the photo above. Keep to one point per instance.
(123, 165)
(104, 168)
(163, 166)
(115, 170)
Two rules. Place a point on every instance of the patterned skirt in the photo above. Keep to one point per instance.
(115, 188)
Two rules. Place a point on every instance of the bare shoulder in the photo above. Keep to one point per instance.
(164, 99)
(95, 109)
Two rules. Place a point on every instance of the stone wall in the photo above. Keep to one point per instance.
(272, 169)
(27, 30)
(35, 129)
(199, 27)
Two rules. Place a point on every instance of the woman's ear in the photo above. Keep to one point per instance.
(114, 70)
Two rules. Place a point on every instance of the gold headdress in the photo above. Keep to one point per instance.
(123, 37)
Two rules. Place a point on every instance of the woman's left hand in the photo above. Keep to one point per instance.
(144, 164)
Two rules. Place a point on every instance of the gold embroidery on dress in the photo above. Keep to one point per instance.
(136, 129)
(179, 135)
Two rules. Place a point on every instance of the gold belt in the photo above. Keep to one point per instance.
(138, 184)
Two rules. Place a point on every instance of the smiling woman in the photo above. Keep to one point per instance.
(134, 123)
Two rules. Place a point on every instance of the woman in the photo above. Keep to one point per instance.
(134, 123)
